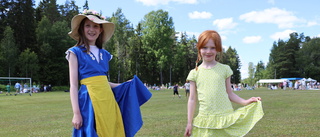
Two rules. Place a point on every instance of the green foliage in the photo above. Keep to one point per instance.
(309, 59)
(29, 63)
(22, 25)
(158, 41)
(53, 42)
(119, 46)
(185, 55)
(260, 71)
(283, 57)
(231, 58)
(49, 8)
(9, 52)
(297, 57)
(251, 72)
(3, 88)
(4, 4)
(68, 11)
(153, 50)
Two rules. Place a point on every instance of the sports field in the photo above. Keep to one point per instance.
(294, 113)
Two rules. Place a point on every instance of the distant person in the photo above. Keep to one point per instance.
(176, 91)
(274, 87)
(25, 86)
(8, 89)
(210, 85)
(290, 85)
(303, 84)
(296, 85)
(34, 89)
(21, 88)
(285, 85)
(49, 87)
(187, 88)
(45, 88)
(17, 87)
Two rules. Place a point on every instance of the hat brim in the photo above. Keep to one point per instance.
(108, 27)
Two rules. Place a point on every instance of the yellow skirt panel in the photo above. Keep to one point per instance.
(106, 110)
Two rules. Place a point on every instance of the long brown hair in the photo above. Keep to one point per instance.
(203, 40)
(84, 41)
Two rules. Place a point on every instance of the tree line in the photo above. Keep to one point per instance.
(298, 57)
(34, 40)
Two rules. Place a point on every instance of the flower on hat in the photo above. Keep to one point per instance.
(92, 12)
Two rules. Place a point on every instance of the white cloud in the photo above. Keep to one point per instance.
(165, 2)
(312, 23)
(252, 39)
(186, 1)
(200, 15)
(223, 37)
(271, 2)
(226, 23)
(283, 18)
(282, 35)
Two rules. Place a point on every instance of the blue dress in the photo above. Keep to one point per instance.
(130, 96)
(100, 112)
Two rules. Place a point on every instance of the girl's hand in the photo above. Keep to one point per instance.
(77, 121)
(188, 131)
(252, 99)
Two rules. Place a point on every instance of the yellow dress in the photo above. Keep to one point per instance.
(216, 117)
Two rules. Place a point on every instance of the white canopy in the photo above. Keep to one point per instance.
(310, 79)
(271, 80)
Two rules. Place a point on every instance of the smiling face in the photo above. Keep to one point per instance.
(208, 52)
(92, 31)
(209, 45)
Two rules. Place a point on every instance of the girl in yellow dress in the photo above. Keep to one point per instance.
(210, 85)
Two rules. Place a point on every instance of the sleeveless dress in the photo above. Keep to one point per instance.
(216, 117)
(100, 112)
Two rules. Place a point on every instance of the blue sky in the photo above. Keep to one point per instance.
(249, 26)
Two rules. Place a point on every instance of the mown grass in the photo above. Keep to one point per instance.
(292, 113)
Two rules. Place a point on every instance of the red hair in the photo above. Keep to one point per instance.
(203, 40)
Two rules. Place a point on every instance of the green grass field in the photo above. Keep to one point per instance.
(287, 114)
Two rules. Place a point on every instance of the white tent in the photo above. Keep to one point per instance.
(271, 80)
(310, 79)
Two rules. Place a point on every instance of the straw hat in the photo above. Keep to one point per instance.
(108, 27)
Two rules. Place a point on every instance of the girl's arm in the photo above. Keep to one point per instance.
(235, 98)
(191, 107)
(73, 70)
(113, 85)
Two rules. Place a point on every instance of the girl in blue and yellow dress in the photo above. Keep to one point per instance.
(210, 85)
(95, 110)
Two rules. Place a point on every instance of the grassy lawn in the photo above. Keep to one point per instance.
(287, 114)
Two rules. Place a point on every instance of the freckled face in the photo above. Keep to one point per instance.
(92, 31)
(208, 52)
